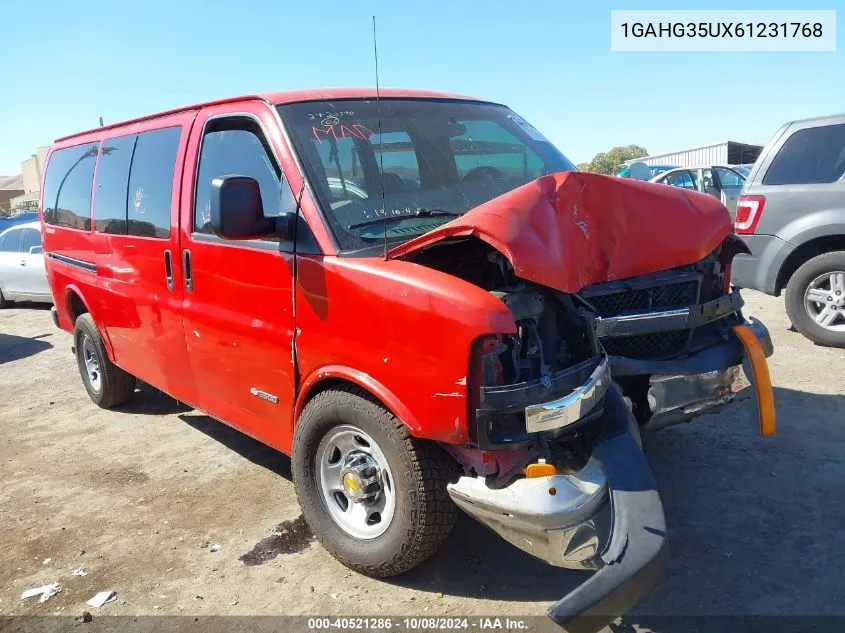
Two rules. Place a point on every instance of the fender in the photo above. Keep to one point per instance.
(73, 288)
(321, 374)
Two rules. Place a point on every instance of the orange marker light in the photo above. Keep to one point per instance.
(762, 380)
(540, 469)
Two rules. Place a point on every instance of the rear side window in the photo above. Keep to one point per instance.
(682, 179)
(112, 184)
(810, 156)
(151, 182)
(10, 242)
(729, 178)
(30, 238)
(67, 186)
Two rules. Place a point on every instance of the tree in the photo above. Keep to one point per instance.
(611, 162)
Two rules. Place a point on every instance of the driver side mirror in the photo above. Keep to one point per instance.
(237, 212)
(36, 250)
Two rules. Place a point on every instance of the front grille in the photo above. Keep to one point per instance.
(650, 346)
(663, 297)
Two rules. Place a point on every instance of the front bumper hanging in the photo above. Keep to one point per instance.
(607, 517)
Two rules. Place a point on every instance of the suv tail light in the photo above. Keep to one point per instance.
(748, 212)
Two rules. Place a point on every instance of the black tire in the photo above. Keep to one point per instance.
(4, 303)
(115, 385)
(420, 469)
(797, 287)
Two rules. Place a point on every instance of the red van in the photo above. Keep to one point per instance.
(420, 300)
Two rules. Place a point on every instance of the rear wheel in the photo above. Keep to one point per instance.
(106, 383)
(4, 303)
(373, 495)
(815, 299)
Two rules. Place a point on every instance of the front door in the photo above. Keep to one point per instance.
(11, 271)
(730, 183)
(32, 262)
(238, 308)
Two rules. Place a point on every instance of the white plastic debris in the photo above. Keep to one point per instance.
(216, 547)
(104, 597)
(79, 572)
(46, 592)
(47, 561)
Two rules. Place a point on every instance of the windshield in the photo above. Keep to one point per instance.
(434, 159)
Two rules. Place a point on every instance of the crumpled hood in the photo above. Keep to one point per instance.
(573, 229)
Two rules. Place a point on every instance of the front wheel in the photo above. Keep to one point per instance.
(374, 496)
(815, 299)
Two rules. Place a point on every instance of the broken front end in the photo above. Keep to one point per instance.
(556, 409)
(674, 341)
(556, 468)
(620, 323)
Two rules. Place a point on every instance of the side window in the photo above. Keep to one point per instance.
(708, 184)
(729, 178)
(237, 147)
(151, 182)
(681, 179)
(11, 241)
(112, 184)
(67, 186)
(29, 238)
(809, 156)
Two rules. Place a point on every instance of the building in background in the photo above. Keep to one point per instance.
(10, 188)
(725, 153)
(31, 170)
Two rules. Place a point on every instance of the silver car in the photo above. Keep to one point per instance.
(22, 273)
(720, 181)
(791, 215)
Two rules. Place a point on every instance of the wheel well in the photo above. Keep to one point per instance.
(334, 383)
(75, 306)
(806, 252)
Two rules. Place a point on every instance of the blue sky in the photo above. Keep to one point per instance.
(67, 63)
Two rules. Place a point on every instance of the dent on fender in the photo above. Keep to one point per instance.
(400, 330)
(312, 383)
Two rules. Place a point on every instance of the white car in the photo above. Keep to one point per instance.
(720, 181)
(22, 273)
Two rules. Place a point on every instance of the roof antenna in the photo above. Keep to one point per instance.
(380, 152)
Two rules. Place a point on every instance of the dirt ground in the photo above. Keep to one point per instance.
(140, 498)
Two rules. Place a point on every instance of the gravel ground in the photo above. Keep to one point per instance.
(141, 498)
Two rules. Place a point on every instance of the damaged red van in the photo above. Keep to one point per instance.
(420, 300)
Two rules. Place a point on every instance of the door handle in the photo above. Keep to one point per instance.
(186, 270)
(23, 263)
(168, 269)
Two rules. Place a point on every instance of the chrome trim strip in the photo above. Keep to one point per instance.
(70, 261)
(669, 320)
(570, 408)
(643, 323)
